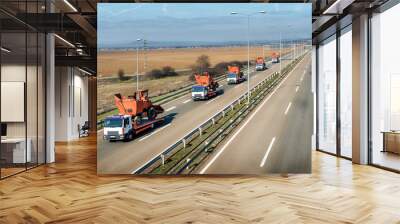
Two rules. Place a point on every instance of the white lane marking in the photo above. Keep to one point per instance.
(212, 100)
(237, 86)
(302, 76)
(171, 108)
(154, 132)
(244, 125)
(186, 101)
(288, 107)
(267, 152)
(185, 95)
(297, 88)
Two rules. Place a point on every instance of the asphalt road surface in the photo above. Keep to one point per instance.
(182, 116)
(276, 136)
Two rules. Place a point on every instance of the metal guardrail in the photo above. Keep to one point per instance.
(199, 129)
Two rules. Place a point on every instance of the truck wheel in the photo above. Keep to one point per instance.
(151, 113)
(130, 137)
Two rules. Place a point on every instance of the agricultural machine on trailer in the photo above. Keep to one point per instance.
(275, 57)
(235, 76)
(260, 64)
(135, 114)
(205, 88)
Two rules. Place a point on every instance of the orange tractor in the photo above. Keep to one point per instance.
(137, 105)
(136, 114)
(275, 57)
(234, 76)
(206, 87)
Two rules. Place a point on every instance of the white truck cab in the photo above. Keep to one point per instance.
(118, 127)
(200, 93)
(232, 78)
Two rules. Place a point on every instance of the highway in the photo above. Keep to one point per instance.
(276, 137)
(182, 116)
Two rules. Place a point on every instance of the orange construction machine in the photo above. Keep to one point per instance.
(260, 64)
(137, 105)
(275, 57)
(234, 75)
(206, 87)
(136, 114)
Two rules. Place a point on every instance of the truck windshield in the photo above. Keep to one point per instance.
(198, 89)
(231, 75)
(113, 123)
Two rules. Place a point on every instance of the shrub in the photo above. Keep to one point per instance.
(202, 64)
(121, 75)
(166, 71)
(169, 71)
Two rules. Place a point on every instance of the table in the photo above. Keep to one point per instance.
(13, 150)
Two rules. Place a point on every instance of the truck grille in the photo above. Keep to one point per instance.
(113, 133)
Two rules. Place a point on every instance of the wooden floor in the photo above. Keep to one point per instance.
(69, 191)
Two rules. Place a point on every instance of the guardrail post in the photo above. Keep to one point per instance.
(184, 143)
(200, 131)
(223, 113)
(162, 159)
(231, 106)
(187, 162)
(213, 121)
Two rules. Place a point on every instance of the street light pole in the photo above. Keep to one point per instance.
(137, 65)
(137, 68)
(248, 59)
(280, 53)
(264, 50)
(248, 51)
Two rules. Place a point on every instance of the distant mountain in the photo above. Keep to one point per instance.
(182, 44)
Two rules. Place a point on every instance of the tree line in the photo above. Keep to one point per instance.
(202, 64)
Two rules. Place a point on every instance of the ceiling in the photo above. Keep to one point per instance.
(73, 21)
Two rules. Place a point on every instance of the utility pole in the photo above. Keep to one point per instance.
(280, 53)
(145, 56)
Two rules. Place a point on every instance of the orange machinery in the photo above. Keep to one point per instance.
(233, 69)
(275, 57)
(207, 80)
(137, 105)
(260, 60)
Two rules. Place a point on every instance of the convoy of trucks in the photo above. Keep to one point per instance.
(260, 64)
(135, 114)
(205, 88)
(234, 75)
(275, 57)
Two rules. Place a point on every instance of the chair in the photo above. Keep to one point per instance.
(84, 130)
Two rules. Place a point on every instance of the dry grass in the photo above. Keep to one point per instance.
(110, 62)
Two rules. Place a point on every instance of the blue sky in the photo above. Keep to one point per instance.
(123, 23)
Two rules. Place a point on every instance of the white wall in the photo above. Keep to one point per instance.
(71, 102)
